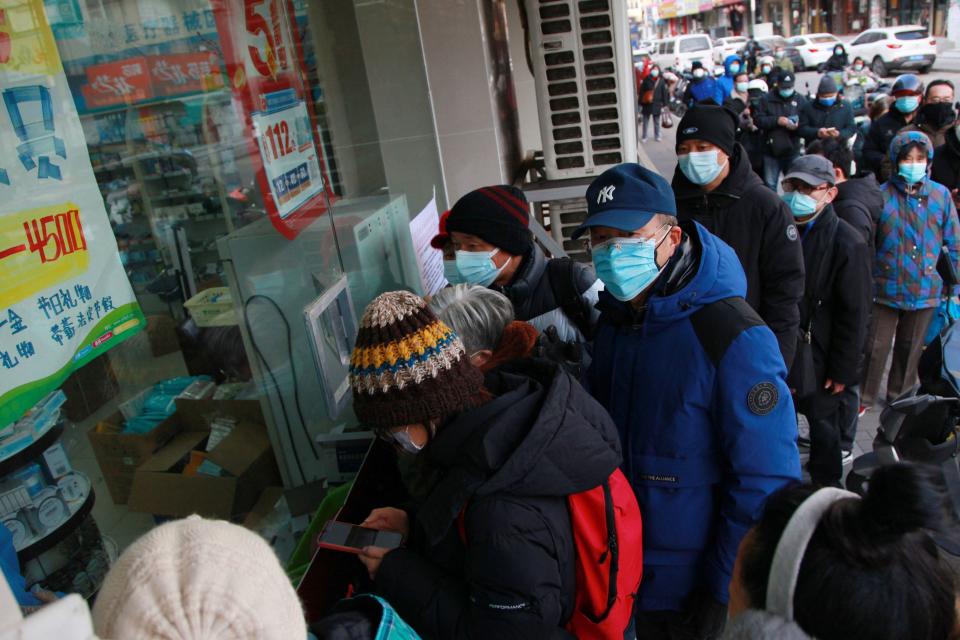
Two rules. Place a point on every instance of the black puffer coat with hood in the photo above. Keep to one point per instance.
(753, 220)
(509, 465)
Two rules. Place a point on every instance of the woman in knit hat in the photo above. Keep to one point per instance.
(197, 579)
(510, 449)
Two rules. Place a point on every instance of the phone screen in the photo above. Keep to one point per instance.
(342, 534)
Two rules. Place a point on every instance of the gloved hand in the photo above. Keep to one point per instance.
(567, 354)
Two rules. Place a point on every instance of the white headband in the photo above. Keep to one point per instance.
(785, 568)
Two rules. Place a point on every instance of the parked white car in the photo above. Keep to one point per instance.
(888, 48)
(815, 48)
(723, 47)
(680, 52)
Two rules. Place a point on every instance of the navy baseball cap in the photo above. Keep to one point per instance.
(626, 197)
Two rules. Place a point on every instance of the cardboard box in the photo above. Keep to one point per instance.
(119, 454)
(245, 455)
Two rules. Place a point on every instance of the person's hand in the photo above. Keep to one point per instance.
(784, 121)
(372, 557)
(833, 133)
(834, 387)
(46, 597)
(388, 519)
(823, 133)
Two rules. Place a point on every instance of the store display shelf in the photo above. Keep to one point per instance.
(41, 443)
(79, 509)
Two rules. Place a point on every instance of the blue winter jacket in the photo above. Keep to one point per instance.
(726, 82)
(911, 230)
(698, 393)
(705, 89)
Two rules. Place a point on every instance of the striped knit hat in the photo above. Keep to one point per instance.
(499, 215)
(408, 367)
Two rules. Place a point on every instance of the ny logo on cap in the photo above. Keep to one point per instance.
(606, 194)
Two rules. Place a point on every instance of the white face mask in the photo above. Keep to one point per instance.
(405, 442)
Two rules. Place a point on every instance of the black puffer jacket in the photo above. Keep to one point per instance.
(814, 116)
(533, 293)
(511, 463)
(838, 296)
(876, 147)
(779, 141)
(660, 95)
(859, 204)
(946, 162)
(749, 217)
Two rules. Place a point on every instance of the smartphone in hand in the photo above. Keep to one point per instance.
(351, 538)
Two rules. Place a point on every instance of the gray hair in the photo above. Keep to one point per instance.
(476, 313)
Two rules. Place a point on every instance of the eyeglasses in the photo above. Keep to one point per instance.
(802, 187)
(589, 246)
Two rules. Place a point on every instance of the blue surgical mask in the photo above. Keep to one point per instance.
(765, 68)
(477, 267)
(907, 104)
(700, 167)
(913, 172)
(742, 87)
(786, 93)
(734, 68)
(828, 102)
(858, 67)
(451, 273)
(801, 205)
(655, 73)
(627, 266)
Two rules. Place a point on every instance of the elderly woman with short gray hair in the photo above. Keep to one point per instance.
(484, 320)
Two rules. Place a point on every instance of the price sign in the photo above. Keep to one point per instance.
(264, 62)
(289, 155)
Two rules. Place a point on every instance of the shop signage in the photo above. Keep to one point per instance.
(264, 59)
(64, 296)
(141, 78)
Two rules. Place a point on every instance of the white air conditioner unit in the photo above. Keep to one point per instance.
(584, 79)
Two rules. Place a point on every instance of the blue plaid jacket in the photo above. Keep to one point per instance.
(911, 230)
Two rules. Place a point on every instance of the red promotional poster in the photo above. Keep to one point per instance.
(123, 82)
(180, 73)
(264, 60)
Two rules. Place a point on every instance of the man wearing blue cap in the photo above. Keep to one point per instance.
(696, 385)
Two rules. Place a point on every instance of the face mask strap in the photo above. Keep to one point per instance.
(785, 568)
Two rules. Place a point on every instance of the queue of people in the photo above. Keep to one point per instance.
(725, 310)
(611, 450)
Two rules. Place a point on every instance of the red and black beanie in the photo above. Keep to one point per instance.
(498, 214)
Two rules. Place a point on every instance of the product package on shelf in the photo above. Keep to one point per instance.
(28, 429)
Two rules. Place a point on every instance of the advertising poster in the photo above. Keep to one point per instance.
(264, 60)
(64, 296)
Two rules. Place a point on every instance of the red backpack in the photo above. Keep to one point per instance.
(608, 537)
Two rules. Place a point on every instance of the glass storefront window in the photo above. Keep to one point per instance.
(260, 162)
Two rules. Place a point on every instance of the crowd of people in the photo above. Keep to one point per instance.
(770, 276)
(725, 302)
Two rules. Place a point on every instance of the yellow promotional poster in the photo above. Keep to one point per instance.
(64, 295)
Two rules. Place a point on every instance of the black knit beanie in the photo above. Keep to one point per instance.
(714, 124)
(499, 215)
